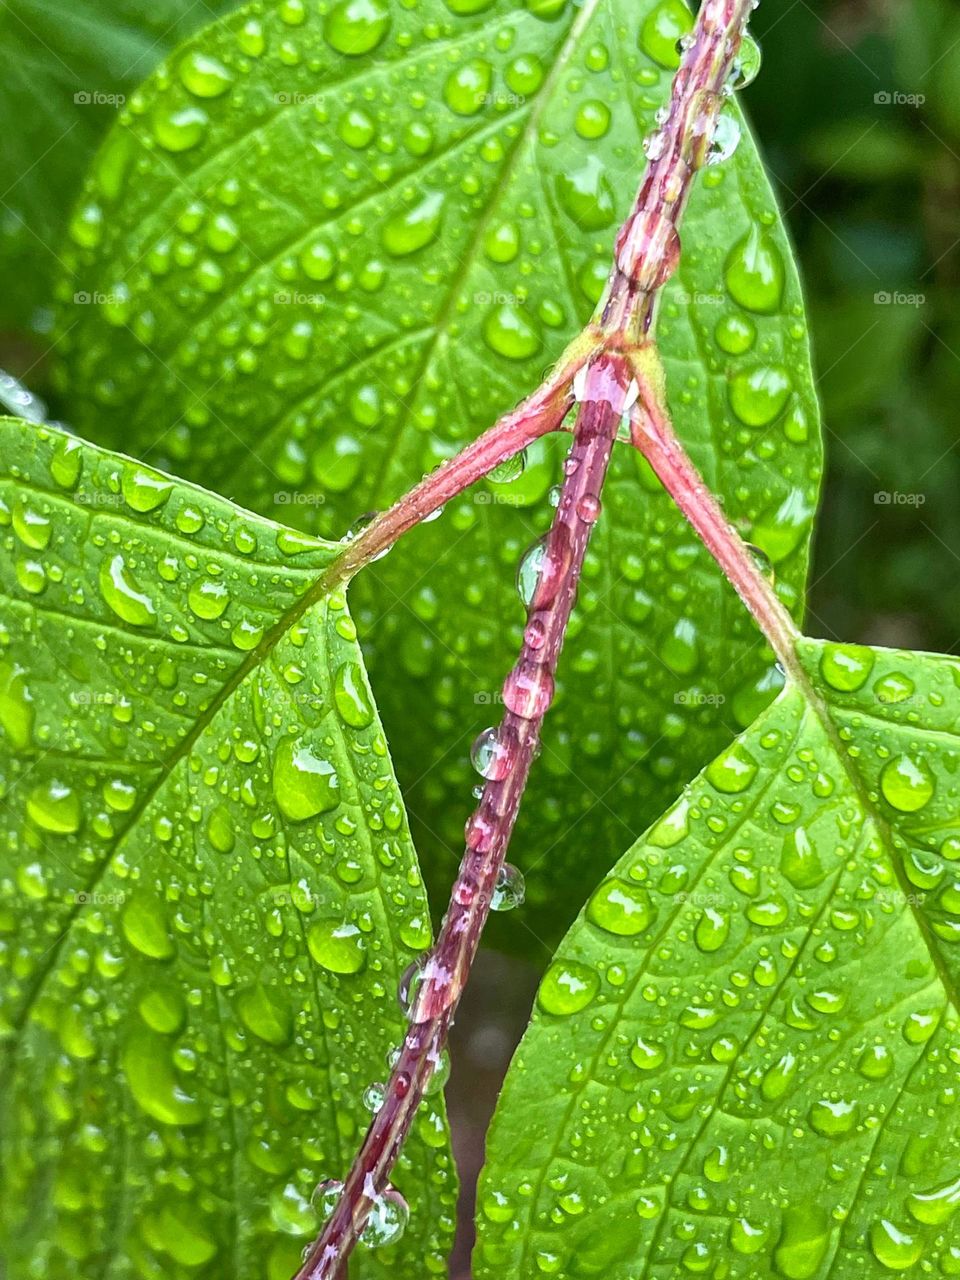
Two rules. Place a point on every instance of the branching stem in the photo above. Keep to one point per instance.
(527, 693)
(610, 365)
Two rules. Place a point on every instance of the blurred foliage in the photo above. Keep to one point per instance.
(858, 108)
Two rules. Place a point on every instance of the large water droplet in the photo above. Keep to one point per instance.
(907, 783)
(354, 27)
(567, 987)
(304, 783)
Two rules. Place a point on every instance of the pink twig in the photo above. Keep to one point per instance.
(653, 434)
(540, 413)
(648, 246)
(527, 693)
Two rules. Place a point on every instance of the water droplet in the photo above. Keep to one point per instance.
(733, 771)
(31, 526)
(511, 332)
(586, 195)
(746, 66)
(528, 690)
(121, 592)
(937, 1206)
(144, 490)
(620, 908)
(17, 711)
(491, 756)
(304, 783)
(387, 1222)
(802, 1246)
(754, 273)
(681, 649)
(648, 250)
(662, 30)
(712, 929)
(55, 807)
(337, 946)
(354, 27)
(179, 129)
(894, 1248)
(907, 783)
(799, 860)
(647, 1056)
(894, 687)
(264, 1017)
(724, 140)
(510, 889)
(760, 394)
(567, 988)
(352, 697)
(468, 87)
(735, 334)
(415, 227)
(203, 75)
(145, 926)
(845, 667)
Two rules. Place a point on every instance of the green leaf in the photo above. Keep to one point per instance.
(744, 1061)
(321, 281)
(208, 889)
(64, 70)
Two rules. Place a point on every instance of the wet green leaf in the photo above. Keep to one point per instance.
(208, 889)
(744, 1060)
(65, 70)
(329, 247)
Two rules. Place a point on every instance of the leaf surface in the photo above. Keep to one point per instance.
(744, 1059)
(208, 888)
(331, 269)
(64, 69)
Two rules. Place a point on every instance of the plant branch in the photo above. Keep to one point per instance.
(527, 693)
(648, 245)
(600, 365)
(538, 414)
(653, 434)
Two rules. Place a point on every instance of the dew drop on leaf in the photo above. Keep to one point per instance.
(567, 987)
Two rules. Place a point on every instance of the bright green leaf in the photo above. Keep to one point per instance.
(208, 889)
(745, 1057)
(65, 70)
(317, 281)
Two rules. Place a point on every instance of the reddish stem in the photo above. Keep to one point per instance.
(648, 245)
(527, 693)
(540, 413)
(653, 434)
